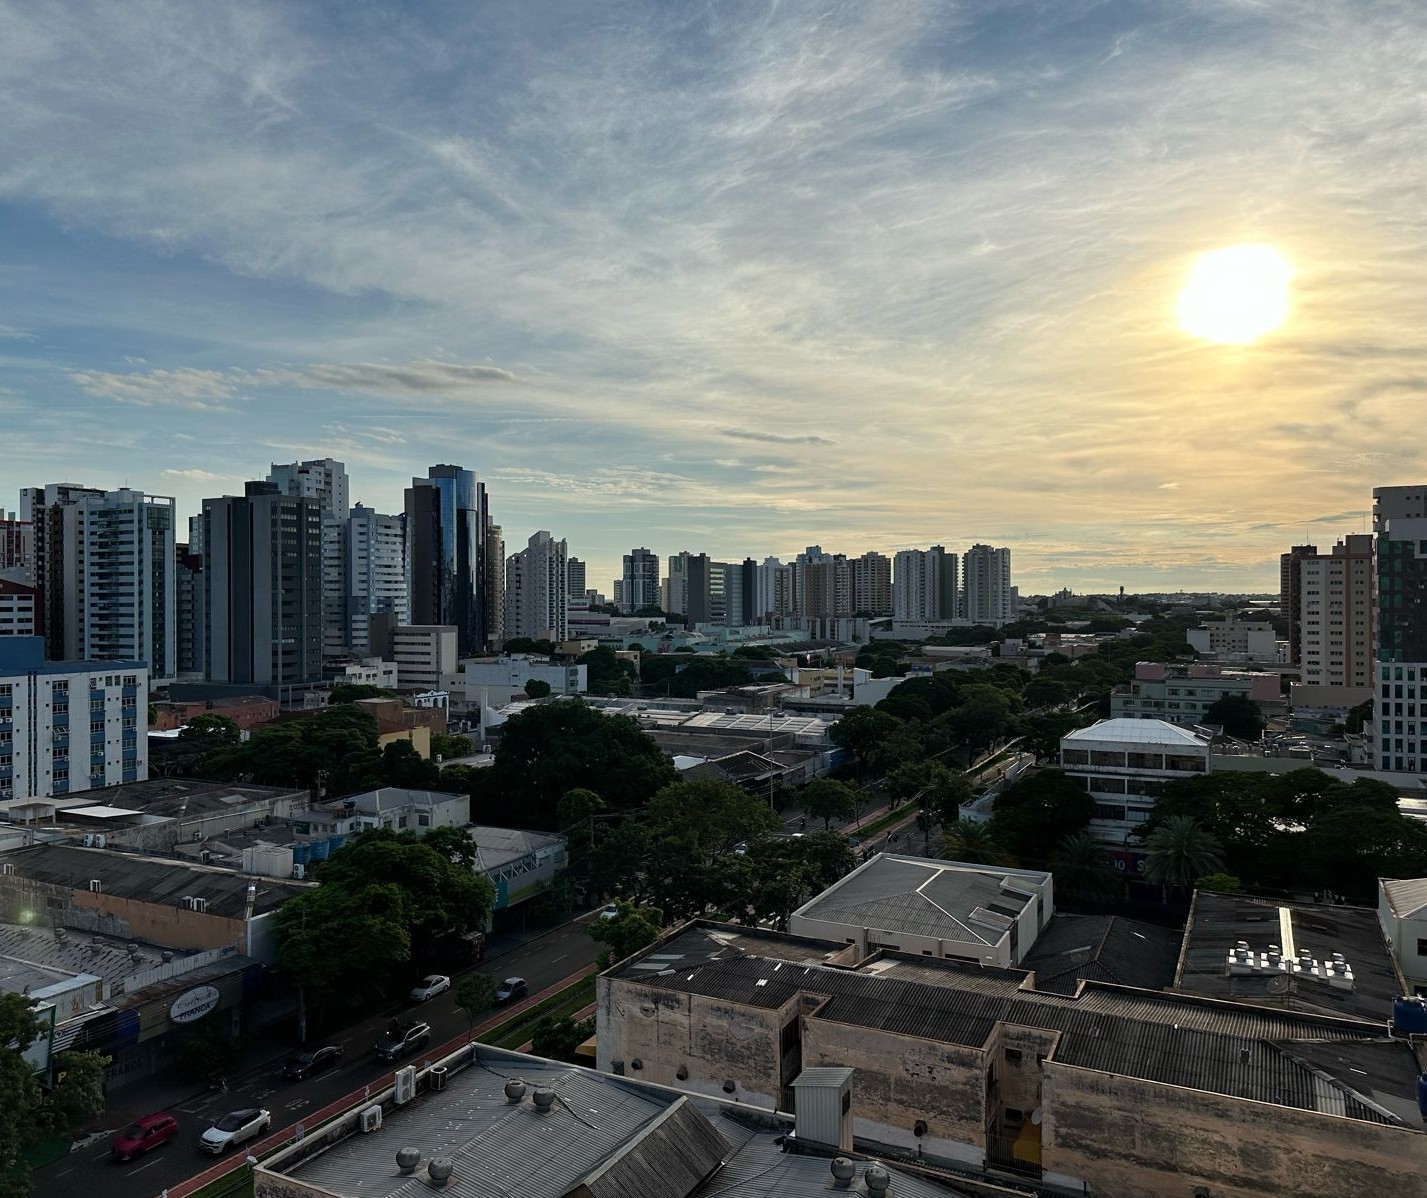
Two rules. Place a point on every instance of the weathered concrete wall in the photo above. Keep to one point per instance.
(715, 1042)
(899, 1080)
(1139, 1139)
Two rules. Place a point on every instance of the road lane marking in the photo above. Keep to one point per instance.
(150, 1165)
(560, 958)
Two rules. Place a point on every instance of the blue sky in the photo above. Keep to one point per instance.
(728, 277)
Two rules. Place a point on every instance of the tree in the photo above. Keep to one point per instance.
(940, 791)
(861, 730)
(559, 1038)
(606, 673)
(1033, 815)
(447, 747)
(1238, 715)
(1041, 731)
(536, 689)
(827, 799)
(1180, 850)
(574, 817)
(974, 842)
(475, 993)
(1219, 884)
(984, 717)
(78, 1091)
(210, 731)
(1082, 869)
(558, 746)
(631, 929)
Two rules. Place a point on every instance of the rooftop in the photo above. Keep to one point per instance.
(393, 798)
(149, 879)
(496, 847)
(1405, 896)
(1102, 948)
(1138, 732)
(946, 900)
(698, 943)
(1218, 1047)
(1217, 922)
(170, 797)
(603, 1137)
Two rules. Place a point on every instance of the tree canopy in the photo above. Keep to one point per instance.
(1033, 815)
(556, 747)
(828, 799)
(1238, 715)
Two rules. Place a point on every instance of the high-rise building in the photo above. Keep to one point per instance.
(43, 509)
(924, 585)
(674, 597)
(773, 591)
(17, 549)
(447, 522)
(1400, 528)
(495, 584)
(188, 606)
(325, 481)
(699, 594)
(989, 598)
(1288, 596)
(536, 591)
(575, 579)
(102, 702)
(374, 568)
(1335, 613)
(262, 588)
(21, 613)
(871, 585)
(639, 587)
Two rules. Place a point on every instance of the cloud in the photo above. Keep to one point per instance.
(381, 378)
(192, 475)
(11, 333)
(184, 387)
(770, 438)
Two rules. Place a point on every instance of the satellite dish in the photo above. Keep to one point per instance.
(1279, 983)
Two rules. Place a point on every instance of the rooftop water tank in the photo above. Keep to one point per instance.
(1409, 1015)
(1422, 1094)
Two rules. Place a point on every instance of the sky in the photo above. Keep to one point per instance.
(728, 277)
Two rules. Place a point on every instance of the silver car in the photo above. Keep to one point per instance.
(234, 1128)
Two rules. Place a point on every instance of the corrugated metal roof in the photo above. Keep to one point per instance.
(1406, 896)
(1137, 732)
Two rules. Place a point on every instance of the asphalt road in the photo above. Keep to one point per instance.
(88, 1171)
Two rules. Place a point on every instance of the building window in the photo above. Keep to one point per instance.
(1013, 1056)
(1422, 948)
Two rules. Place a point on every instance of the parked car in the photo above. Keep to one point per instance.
(609, 911)
(143, 1135)
(430, 986)
(306, 1064)
(509, 990)
(234, 1128)
(399, 1041)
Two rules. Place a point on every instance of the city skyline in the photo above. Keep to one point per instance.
(734, 281)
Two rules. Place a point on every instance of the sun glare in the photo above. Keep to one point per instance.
(1235, 295)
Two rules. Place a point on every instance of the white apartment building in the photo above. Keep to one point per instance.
(374, 572)
(1125, 764)
(19, 609)
(69, 726)
(424, 655)
(370, 671)
(871, 585)
(536, 589)
(988, 596)
(674, 591)
(1335, 614)
(1235, 640)
(773, 590)
(324, 480)
(496, 680)
(925, 584)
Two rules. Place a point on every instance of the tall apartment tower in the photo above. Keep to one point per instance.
(987, 585)
(1289, 597)
(188, 607)
(17, 549)
(325, 481)
(495, 584)
(1336, 615)
(925, 584)
(639, 585)
(1400, 529)
(674, 597)
(447, 522)
(773, 591)
(536, 590)
(119, 581)
(575, 579)
(871, 584)
(43, 509)
(262, 588)
(374, 573)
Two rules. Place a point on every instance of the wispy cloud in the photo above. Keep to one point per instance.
(771, 438)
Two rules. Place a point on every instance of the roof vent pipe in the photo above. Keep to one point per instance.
(544, 1099)
(407, 1159)
(514, 1090)
(842, 1173)
(876, 1179)
(439, 1170)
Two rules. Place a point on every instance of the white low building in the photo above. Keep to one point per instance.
(494, 681)
(1402, 911)
(948, 909)
(1125, 764)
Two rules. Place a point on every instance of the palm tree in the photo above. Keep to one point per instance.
(1082, 868)
(1180, 850)
(973, 842)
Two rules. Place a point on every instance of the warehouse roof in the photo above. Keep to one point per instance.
(1102, 948)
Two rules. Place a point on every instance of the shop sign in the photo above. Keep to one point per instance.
(194, 1004)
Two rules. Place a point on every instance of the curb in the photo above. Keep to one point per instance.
(281, 1138)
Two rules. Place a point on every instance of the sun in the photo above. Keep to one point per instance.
(1235, 295)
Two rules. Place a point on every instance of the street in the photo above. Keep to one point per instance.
(542, 961)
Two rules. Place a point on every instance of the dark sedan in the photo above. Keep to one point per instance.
(307, 1064)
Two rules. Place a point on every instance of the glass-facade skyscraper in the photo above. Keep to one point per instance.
(446, 522)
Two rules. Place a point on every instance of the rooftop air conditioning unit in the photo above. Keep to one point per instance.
(200, 905)
(95, 886)
(405, 1085)
(372, 1118)
(99, 840)
(8, 868)
(89, 840)
(299, 871)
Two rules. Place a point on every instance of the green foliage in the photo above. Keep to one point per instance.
(1041, 731)
(778, 875)
(558, 1039)
(384, 897)
(862, 730)
(608, 674)
(524, 644)
(210, 731)
(1083, 870)
(78, 1091)
(683, 679)
(351, 693)
(632, 929)
(1238, 715)
(559, 746)
(1219, 884)
(940, 791)
(536, 689)
(340, 742)
(475, 993)
(448, 747)
(1033, 815)
(1180, 850)
(827, 799)
(574, 819)
(974, 842)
